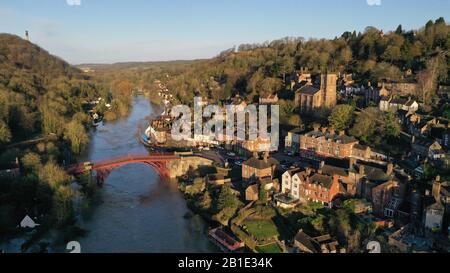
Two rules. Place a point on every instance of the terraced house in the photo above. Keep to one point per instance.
(306, 185)
(324, 142)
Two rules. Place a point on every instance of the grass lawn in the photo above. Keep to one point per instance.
(261, 229)
(272, 248)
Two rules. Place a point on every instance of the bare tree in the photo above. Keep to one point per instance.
(427, 79)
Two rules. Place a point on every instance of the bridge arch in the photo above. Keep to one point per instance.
(158, 162)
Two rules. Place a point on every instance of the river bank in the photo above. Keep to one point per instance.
(136, 211)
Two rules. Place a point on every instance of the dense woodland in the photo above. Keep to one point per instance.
(40, 96)
(253, 70)
(259, 69)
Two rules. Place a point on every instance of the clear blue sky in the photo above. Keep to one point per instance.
(148, 30)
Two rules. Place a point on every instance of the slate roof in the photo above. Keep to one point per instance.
(402, 101)
(360, 147)
(374, 173)
(424, 142)
(294, 171)
(261, 163)
(323, 180)
(344, 139)
(330, 170)
(307, 242)
(308, 89)
(410, 103)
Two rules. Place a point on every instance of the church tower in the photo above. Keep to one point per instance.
(27, 36)
(328, 87)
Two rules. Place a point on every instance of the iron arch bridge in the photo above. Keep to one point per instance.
(102, 169)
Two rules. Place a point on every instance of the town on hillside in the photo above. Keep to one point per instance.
(323, 190)
(90, 162)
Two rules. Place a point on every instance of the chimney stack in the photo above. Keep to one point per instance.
(362, 170)
(352, 162)
(266, 157)
(390, 168)
(332, 131)
(436, 190)
(316, 127)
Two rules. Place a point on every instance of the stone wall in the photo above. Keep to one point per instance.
(181, 166)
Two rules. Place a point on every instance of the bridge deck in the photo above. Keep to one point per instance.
(119, 161)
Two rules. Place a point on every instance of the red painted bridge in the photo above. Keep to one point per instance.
(104, 168)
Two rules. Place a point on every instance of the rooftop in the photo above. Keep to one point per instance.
(342, 138)
(308, 89)
(258, 163)
(322, 180)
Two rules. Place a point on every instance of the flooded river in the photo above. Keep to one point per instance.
(136, 211)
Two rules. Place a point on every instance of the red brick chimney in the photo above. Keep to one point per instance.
(266, 157)
(390, 168)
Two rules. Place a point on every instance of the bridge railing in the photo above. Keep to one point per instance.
(81, 167)
(155, 157)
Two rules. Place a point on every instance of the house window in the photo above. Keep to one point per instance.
(389, 213)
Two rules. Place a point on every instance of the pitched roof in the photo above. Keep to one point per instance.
(360, 147)
(307, 242)
(331, 170)
(344, 139)
(323, 180)
(261, 163)
(309, 90)
(402, 101)
(293, 171)
(410, 103)
(374, 173)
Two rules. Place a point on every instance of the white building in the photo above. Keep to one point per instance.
(390, 104)
(291, 183)
(27, 222)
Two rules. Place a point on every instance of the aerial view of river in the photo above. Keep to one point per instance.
(136, 210)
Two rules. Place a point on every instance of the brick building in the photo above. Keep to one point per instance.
(387, 197)
(324, 142)
(257, 168)
(306, 185)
